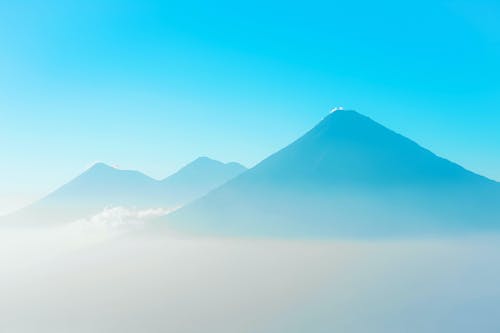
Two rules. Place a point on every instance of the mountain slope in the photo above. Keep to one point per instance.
(198, 178)
(348, 176)
(103, 186)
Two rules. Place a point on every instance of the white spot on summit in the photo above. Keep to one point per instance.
(337, 108)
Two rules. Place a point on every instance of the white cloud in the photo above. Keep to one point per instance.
(118, 219)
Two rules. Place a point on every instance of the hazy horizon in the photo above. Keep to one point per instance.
(151, 86)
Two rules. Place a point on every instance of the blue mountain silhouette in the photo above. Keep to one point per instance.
(103, 186)
(349, 176)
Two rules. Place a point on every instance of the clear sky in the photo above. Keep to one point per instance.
(151, 85)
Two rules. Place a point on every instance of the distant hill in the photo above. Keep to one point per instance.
(103, 186)
(348, 177)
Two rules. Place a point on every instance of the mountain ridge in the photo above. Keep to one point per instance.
(102, 186)
(346, 176)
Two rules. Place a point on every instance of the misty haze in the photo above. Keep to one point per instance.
(68, 281)
(351, 228)
(254, 166)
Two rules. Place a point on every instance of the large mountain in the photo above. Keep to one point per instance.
(348, 177)
(103, 186)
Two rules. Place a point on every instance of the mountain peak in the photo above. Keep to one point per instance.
(204, 168)
(204, 160)
(347, 126)
(343, 114)
(100, 166)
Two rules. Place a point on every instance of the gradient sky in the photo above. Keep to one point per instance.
(151, 86)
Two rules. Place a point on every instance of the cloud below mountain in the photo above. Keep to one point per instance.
(119, 218)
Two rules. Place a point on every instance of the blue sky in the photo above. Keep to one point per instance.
(152, 85)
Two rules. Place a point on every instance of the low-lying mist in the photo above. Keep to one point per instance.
(98, 280)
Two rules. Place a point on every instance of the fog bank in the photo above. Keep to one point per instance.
(67, 281)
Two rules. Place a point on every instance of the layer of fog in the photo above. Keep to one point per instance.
(96, 280)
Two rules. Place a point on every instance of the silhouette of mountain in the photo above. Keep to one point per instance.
(349, 176)
(103, 186)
